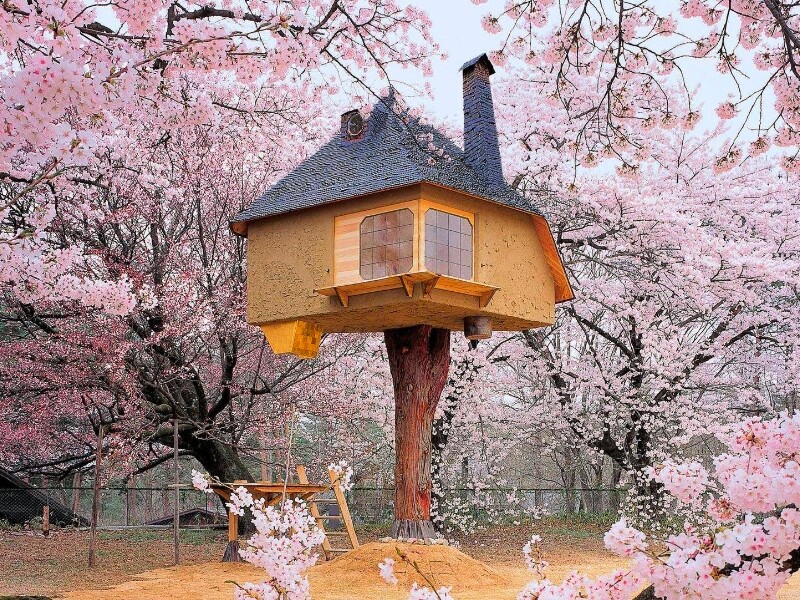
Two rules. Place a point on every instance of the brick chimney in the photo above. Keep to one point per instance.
(481, 149)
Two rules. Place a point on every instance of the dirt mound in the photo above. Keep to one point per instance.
(444, 565)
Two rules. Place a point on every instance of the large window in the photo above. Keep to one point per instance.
(448, 244)
(387, 244)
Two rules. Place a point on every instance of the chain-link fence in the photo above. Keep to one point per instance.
(374, 505)
(117, 506)
(155, 506)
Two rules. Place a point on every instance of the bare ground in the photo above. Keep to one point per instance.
(135, 565)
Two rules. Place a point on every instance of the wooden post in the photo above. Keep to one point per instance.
(46, 520)
(176, 517)
(419, 359)
(129, 500)
(77, 480)
(232, 549)
(96, 497)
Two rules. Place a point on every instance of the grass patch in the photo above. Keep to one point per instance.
(193, 537)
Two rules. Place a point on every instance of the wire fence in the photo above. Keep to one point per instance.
(154, 506)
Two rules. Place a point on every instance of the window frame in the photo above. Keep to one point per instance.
(384, 246)
(345, 265)
(424, 208)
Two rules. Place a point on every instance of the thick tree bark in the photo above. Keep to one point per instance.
(219, 459)
(419, 359)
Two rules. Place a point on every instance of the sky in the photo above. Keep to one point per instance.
(457, 28)
(456, 25)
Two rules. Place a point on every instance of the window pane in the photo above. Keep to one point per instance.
(387, 244)
(448, 244)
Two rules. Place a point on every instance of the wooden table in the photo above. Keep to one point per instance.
(271, 492)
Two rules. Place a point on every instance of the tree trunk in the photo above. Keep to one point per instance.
(223, 462)
(419, 359)
(219, 459)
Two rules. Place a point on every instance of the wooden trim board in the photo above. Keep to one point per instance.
(430, 281)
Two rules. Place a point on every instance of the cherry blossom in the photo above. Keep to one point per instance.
(344, 474)
(386, 570)
(79, 80)
(614, 67)
(283, 545)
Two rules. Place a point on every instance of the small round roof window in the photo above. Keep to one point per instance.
(355, 125)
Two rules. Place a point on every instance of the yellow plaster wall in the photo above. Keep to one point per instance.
(291, 255)
(508, 255)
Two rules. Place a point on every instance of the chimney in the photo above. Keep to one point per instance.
(481, 149)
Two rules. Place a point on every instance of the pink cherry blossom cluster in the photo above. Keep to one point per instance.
(344, 474)
(79, 82)
(283, 545)
(747, 544)
(618, 585)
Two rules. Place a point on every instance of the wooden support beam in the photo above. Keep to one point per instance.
(485, 298)
(343, 298)
(408, 285)
(427, 286)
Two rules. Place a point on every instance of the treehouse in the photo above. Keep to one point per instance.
(391, 227)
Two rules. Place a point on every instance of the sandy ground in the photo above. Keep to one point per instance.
(338, 580)
(133, 566)
(351, 577)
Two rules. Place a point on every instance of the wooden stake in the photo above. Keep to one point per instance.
(76, 493)
(176, 519)
(96, 497)
(46, 521)
(419, 359)
(129, 499)
(232, 549)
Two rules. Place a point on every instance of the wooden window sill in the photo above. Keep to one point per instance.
(406, 281)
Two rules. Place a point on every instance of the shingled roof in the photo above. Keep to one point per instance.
(393, 152)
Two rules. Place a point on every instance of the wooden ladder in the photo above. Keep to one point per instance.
(349, 533)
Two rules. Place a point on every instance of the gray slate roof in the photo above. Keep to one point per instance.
(388, 156)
